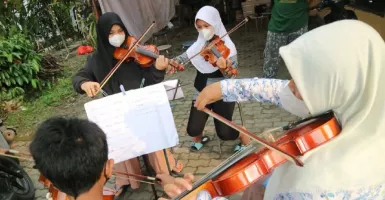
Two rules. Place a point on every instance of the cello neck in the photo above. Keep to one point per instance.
(146, 52)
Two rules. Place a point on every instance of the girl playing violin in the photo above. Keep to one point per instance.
(209, 24)
(111, 33)
(346, 76)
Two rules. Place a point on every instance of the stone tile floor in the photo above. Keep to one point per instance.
(257, 116)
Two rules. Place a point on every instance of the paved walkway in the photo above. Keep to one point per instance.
(257, 116)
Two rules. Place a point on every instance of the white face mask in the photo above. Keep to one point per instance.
(207, 33)
(292, 104)
(117, 40)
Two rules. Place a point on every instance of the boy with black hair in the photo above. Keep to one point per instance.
(73, 155)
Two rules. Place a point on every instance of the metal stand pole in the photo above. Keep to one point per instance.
(168, 164)
(146, 165)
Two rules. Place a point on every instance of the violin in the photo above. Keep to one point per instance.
(247, 167)
(216, 49)
(144, 55)
(55, 194)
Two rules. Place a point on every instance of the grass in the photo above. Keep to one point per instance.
(47, 104)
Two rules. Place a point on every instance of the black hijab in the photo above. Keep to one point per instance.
(99, 64)
(129, 74)
(105, 50)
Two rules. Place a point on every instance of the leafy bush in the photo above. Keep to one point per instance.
(19, 66)
(36, 19)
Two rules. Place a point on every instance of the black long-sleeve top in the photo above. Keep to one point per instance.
(130, 75)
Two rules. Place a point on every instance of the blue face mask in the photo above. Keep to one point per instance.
(292, 104)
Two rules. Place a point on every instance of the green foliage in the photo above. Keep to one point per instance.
(91, 23)
(19, 67)
(33, 18)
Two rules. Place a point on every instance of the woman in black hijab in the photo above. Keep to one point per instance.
(111, 33)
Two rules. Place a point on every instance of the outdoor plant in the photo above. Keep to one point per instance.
(19, 66)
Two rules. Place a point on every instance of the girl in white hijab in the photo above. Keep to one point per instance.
(339, 67)
(209, 24)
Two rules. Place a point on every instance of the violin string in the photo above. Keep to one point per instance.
(132, 48)
(109, 75)
(267, 133)
(256, 138)
(220, 168)
(214, 43)
(243, 22)
(252, 136)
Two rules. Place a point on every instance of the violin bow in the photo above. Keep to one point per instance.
(243, 22)
(15, 154)
(220, 168)
(149, 178)
(113, 70)
(261, 141)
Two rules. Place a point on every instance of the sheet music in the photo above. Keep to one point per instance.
(137, 123)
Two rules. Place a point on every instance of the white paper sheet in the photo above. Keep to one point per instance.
(137, 123)
(170, 89)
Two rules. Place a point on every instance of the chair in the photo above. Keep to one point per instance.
(187, 44)
(166, 48)
(249, 7)
(161, 33)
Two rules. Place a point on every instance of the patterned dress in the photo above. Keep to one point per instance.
(253, 89)
(266, 91)
(272, 59)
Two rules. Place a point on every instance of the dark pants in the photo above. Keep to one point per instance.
(197, 120)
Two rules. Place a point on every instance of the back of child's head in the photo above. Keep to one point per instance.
(71, 153)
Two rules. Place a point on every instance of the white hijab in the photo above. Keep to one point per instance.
(210, 15)
(340, 66)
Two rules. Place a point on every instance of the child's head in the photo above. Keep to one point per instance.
(110, 30)
(205, 29)
(208, 22)
(116, 36)
(72, 154)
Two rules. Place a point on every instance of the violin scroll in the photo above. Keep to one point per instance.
(216, 49)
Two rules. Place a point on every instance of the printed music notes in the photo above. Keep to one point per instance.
(137, 123)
